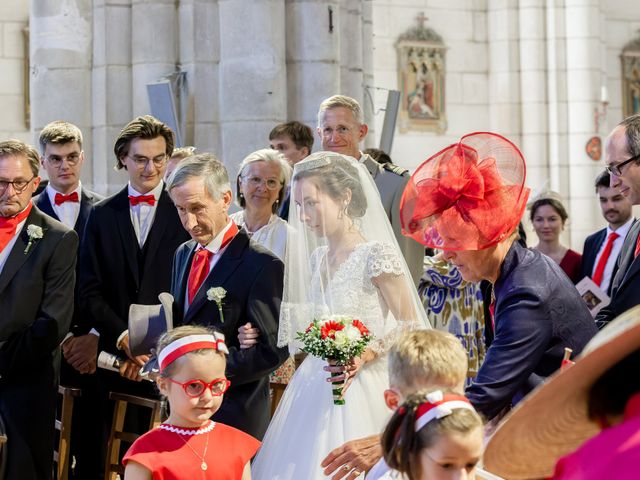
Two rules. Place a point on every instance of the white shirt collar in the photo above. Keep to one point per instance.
(156, 192)
(622, 230)
(214, 245)
(51, 193)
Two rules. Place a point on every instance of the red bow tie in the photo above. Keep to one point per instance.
(150, 199)
(60, 198)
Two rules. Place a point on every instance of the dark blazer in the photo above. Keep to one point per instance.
(538, 312)
(625, 288)
(253, 279)
(87, 200)
(115, 272)
(36, 305)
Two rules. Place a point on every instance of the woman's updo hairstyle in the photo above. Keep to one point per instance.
(334, 174)
(553, 200)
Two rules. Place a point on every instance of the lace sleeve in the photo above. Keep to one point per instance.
(385, 259)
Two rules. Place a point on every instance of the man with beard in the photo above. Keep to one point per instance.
(602, 248)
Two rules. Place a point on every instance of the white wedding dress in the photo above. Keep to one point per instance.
(307, 425)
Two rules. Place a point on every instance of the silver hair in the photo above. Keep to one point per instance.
(270, 156)
(336, 101)
(205, 166)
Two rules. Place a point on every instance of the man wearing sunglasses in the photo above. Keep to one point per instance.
(37, 275)
(622, 150)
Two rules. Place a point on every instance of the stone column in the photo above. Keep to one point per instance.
(60, 45)
(584, 80)
(200, 58)
(154, 46)
(253, 78)
(367, 71)
(313, 55)
(351, 49)
(112, 88)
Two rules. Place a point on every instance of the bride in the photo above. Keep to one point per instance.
(342, 259)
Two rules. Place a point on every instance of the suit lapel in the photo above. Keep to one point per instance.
(17, 257)
(228, 263)
(86, 202)
(156, 232)
(127, 234)
(44, 204)
(183, 275)
(628, 265)
(371, 165)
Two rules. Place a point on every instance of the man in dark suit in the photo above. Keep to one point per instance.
(37, 275)
(126, 252)
(250, 279)
(601, 249)
(295, 141)
(341, 129)
(66, 200)
(622, 150)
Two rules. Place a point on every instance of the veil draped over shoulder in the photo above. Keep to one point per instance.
(342, 257)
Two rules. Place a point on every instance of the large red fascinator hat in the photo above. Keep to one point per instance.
(469, 196)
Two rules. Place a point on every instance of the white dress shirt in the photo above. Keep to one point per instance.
(615, 251)
(67, 212)
(4, 254)
(272, 236)
(214, 248)
(142, 215)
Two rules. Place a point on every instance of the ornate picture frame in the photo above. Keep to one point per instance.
(630, 63)
(421, 73)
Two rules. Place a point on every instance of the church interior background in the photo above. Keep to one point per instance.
(554, 76)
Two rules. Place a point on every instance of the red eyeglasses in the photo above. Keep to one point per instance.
(195, 388)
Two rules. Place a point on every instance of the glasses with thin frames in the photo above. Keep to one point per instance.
(327, 132)
(142, 162)
(18, 185)
(270, 183)
(195, 388)
(72, 160)
(617, 169)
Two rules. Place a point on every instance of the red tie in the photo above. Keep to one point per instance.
(200, 263)
(604, 258)
(60, 198)
(8, 226)
(637, 251)
(150, 199)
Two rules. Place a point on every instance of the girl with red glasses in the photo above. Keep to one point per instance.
(189, 444)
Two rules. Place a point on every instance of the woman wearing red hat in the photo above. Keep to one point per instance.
(467, 200)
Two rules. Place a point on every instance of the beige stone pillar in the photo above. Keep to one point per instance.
(60, 44)
(313, 55)
(253, 78)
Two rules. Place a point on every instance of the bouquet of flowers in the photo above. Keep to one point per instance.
(337, 338)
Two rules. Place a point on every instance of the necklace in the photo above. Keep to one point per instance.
(206, 430)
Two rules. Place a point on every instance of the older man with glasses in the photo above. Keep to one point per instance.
(37, 274)
(623, 164)
(126, 253)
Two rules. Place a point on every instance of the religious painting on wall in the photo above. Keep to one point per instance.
(630, 59)
(421, 73)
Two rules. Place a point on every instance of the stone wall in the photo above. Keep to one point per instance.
(14, 16)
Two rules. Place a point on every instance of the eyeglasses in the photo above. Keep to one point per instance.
(195, 388)
(18, 185)
(142, 162)
(56, 161)
(270, 183)
(327, 132)
(617, 169)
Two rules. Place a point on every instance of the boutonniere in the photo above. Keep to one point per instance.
(35, 233)
(217, 294)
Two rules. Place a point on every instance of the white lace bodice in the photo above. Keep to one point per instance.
(351, 290)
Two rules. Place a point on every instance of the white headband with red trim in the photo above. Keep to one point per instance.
(187, 344)
(438, 406)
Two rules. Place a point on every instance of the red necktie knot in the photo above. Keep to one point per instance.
(598, 273)
(60, 198)
(150, 199)
(199, 271)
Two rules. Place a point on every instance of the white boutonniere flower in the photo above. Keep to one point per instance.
(35, 233)
(217, 294)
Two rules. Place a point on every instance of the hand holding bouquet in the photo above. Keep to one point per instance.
(338, 339)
